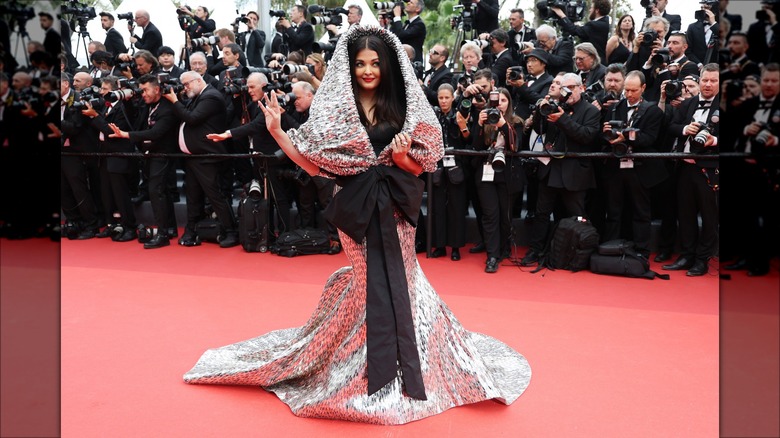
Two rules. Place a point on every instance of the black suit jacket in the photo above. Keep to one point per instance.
(441, 76)
(205, 114)
(594, 31)
(52, 42)
(743, 116)
(595, 74)
(262, 140)
(301, 37)
(561, 58)
(501, 65)
(109, 144)
(486, 16)
(649, 119)
(254, 48)
(151, 41)
(654, 81)
(160, 132)
(675, 22)
(758, 50)
(735, 20)
(115, 44)
(76, 127)
(684, 116)
(697, 47)
(525, 96)
(413, 34)
(575, 132)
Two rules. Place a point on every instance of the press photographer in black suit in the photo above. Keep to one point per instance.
(698, 181)
(502, 56)
(674, 66)
(196, 22)
(588, 63)
(157, 133)
(301, 35)
(485, 15)
(413, 31)
(519, 32)
(528, 89)
(700, 33)
(595, 31)
(438, 74)
(659, 10)
(643, 46)
(628, 178)
(114, 43)
(560, 50)
(152, 39)
(575, 127)
(255, 42)
(204, 114)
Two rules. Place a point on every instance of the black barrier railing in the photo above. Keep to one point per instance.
(448, 151)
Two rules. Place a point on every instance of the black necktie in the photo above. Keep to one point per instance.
(705, 103)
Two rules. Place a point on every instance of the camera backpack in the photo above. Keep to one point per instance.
(618, 257)
(304, 241)
(572, 241)
(253, 224)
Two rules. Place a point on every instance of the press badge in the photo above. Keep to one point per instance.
(538, 147)
(487, 172)
(626, 163)
(448, 161)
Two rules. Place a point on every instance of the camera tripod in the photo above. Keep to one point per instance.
(85, 39)
(24, 38)
(460, 38)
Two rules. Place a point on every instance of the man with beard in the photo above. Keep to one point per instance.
(115, 44)
(438, 73)
(52, 42)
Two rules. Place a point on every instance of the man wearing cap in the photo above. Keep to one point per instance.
(52, 42)
(167, 63)
(528, 89)
(115, 44)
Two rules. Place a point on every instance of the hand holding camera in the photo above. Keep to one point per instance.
(754, 128)
(692, 128)
(90, 111)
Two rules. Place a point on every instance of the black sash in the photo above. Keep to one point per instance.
(364, 208)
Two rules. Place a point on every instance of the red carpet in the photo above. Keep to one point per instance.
(610, 356)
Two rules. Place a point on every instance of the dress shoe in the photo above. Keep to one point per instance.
(172, 232)
(663, 256)
(86, 234)
(107, 231)
(530, 258)
(189, 239)
(230, 240)
(699, 268)
(737, 266)
(758, 272)
(491, 266)
(128, 235)
(140, 198)
(158, 241)
(455, 256)
(679, 265)
(335, 247)
(438, 252)
(480, 247)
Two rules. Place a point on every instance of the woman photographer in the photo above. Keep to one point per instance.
(195, 23)
(500, 177)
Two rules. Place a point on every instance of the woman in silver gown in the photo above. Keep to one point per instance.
(381, 346)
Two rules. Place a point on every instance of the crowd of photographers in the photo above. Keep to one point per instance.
(640, 85)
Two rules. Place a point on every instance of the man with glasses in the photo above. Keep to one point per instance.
(412, 31)
(438, 73)
(588, 63)
(152, 38)
(574, 127)
(561, 51)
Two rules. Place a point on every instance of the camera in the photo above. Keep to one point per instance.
(328, 19)
(465, 107)
(593, 89)
(762, 136)
(122, 94)
(95, 102)
(127, 65)
(498, 160)
(277, 13)
(290, 68)
(674, 89)
(169, 84)
(573, 9)
(620, 127)
(464, 17)
(649, 37)
(482, 44)
(255, 190)
(298, 175)
(648, 5)
(329, 15)
(617, 127)
(467, 78)
(712, 5)
(18, 11)
(325, 48)
(661, 57)
(734, 89)
(206, 38)
(286, 99)
(493, 113)
(705, 130)
(390, 6)
(515, 73)
(419, 69)
(126, 16)
(547, 108)
(79, 10)
(179, 9)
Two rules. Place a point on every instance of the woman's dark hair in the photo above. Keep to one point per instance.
(390, 105)
(631, 33)
(509, 116)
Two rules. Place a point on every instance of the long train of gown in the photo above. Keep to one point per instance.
(319, 369)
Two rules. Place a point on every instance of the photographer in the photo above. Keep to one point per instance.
(633, 125)
(667, 63)
(502, 56)
(560, 50)
(114, 43)
(152, 38)
(158, 133)
(650, 39)
(595, 31)
(701, 32)
(300, 36)
(143, 62)
(199, 64)
(471, 60)
(614, 80)
(115, 172)
(165, 56)
(659, 10)
(588, 63)
(255, 41)
(740, 66)
(262, 142)
(528, 89)
(77, 135)
(521, 36)
(354, 15)
(485, 15)
(759, 32)
(204, 113)
(412, 31)
(572, 126)
(195, 23)
(437, 75)
(52, 42)
(499, 178)
(696, 124)
(214, 54)
(449, 195)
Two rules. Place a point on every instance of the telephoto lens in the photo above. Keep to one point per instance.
(498, 163)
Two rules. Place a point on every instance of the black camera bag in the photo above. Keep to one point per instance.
(616, 247)
(304, 241)
(253, 224)
(208, 229)
(618, 257)
(570, 246)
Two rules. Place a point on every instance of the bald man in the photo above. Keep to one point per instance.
(152, 38)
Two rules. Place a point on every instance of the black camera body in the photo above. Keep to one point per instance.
(127, 65)
(298, 175)
(697, 142)
(388, 6)
(589, 95)
(126, 16)
(661, 57)
(206, 38)
(649, 37)
(516, 73)
(169, 84)
(573, 9)
(648, 5)
(674, 89)
(493, 113)
(180, 12)
(467, 78)
(20, 12)
(277, 13)
(79, 10)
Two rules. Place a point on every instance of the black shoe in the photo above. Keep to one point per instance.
(87, 234)
(455, 256)
(737, 266)
(480, 247)
(419, 247)
(172, 232)
(230, 240)
(491, 266)
(681, 264)
(107, 231)
(699, 268)
(757, 272)
(335, 247)
(158, 241)
(663, 256)
(438, 252)
(128, 235)
(189, 239)
(140, 198)
(530, 258)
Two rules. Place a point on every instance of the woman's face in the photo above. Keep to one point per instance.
(317, 65)
(367, 69)
(752, 88)
(445, 100)
(503, 103)
(627, 23)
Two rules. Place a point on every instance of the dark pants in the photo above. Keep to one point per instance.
(76, 197)
(696, 198)
(202, 181)
(161, 170)
(621, 188)
(664, 207)
(318, 190)
(116, 196)
(449, 214)
(496, 205)
(573, 204)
